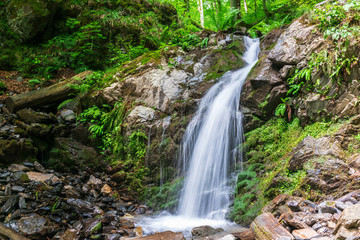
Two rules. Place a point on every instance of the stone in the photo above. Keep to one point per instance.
(17, 189)
(355, 161)
(20, 176)
(68, 115)
(94, 181)
(81, 204)
(70, 234)
(38, 167)
(17, 167)
(299, 40)
(13, 151)
(7, 190)
(350, 218)
(141, 114)
(32, 224)
(203, 231)
(92, 226)
(29, 19)
(294, 206)
(327, 207)
(22, 203)
(343, 233)
(310, 147)
(168, 235)
(331, 224)
(245, 235)
(10, 204)
(306, 233)
(30, 116)
(41, 177)
(106, 189)
(267, 227)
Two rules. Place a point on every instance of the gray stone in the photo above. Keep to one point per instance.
(22, 203)
(38, 167)
(17, 189)
(306, 233)
(10, 204)
(68, 115)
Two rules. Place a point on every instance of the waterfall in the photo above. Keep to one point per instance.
(210, 144)
(209, 155)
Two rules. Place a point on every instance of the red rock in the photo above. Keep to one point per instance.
(168, 235)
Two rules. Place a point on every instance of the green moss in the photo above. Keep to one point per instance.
(267, 149)
(163, 197)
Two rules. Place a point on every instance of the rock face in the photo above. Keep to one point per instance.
(282, 53)
(166, 87)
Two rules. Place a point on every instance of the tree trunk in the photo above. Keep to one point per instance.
(265, 9)
(44, 96)
(245, 6)
(201, 12)
(236, 4)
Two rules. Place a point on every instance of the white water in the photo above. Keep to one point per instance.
(209, 154)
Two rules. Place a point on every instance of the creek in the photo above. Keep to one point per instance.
(210, 155)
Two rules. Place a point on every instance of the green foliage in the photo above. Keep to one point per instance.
(164, 197)
(267, 149)
(222, 18)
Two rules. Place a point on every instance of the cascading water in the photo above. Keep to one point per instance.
(209, 153)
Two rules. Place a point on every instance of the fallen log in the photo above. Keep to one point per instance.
(266, 227)
(10, 233)
(44, 96)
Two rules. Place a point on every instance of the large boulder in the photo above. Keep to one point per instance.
(349, 223)
(310, 147)
(164, 80)
(28, 19)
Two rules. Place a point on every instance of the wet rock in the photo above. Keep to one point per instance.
(80, 204)
(203, 231)
(68, 115)
(114, 236)
(306, 233)
(168, 235)
(32, 224)
(92, 226)
(245, 235)
(10, 204)
(126, 223)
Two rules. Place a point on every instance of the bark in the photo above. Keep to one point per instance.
(10, 233)
(45, 96)
(201, 12)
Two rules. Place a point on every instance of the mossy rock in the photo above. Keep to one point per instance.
(28, 18)
(12, 151)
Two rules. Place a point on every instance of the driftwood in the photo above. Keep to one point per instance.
(44, 96)
(10, 233)
(266, 227)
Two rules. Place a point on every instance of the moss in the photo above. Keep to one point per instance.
(266, 175)
(163, 197)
